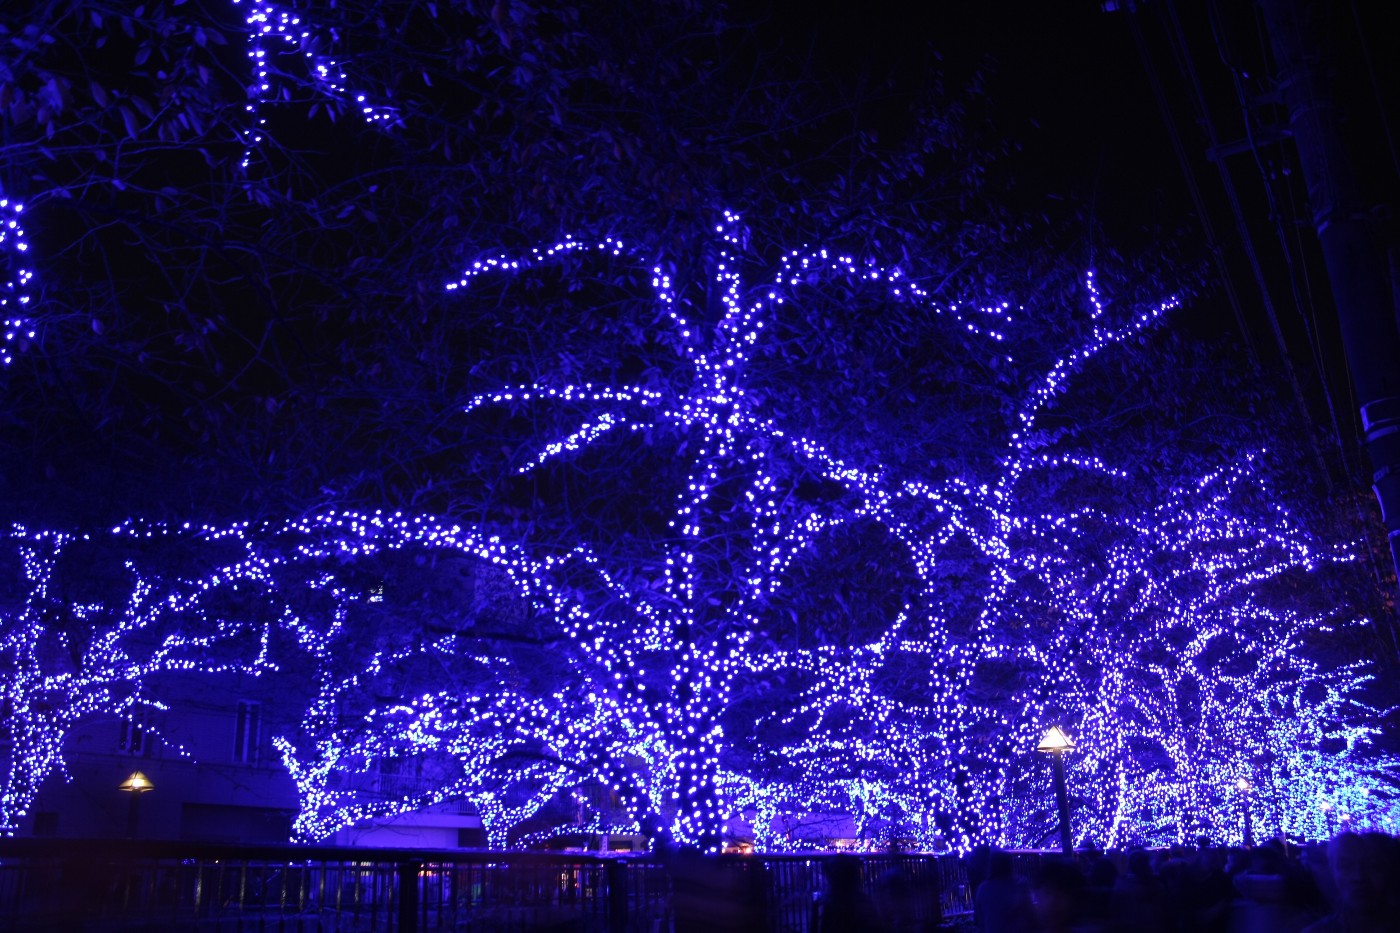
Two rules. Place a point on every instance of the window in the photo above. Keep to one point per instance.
(138, 734)
(46, 823)
(399, 776)
(246, 732)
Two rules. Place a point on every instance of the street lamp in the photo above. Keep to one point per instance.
(1243, 786)
(135, 785)
(1055, 743)
(1326, 806)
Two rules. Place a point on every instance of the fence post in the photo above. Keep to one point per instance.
(617, 895)
(408, 896)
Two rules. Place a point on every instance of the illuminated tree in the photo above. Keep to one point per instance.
(1187, 649)
(686, 665)
(706, 675)
(87, 630)
(825, 543)
(658, 654)
(245, 210)
(491, 731)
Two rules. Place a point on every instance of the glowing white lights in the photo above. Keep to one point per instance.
(272, 27)
(1181, 664)
(15, 324)
(64, 662)
(675, 687)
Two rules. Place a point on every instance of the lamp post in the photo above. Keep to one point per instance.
(1243, 786)
(1326, 806)
(135, 785)
(1055, 743)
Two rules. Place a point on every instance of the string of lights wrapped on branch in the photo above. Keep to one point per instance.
(272, 27)
(15, 324)
(1163, 653)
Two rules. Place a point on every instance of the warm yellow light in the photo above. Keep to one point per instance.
(1242, 786)
(138, 783)
(1055, 740)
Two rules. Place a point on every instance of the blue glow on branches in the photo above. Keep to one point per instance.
(1182, 665)
(1170, 638)
(740, 456)
(15, 324)
(270, 27)
(64, 662)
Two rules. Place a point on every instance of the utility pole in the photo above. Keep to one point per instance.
(1347, 232)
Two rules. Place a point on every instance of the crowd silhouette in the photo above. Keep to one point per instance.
(1349, 885)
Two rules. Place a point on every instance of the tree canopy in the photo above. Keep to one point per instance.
(787, 455)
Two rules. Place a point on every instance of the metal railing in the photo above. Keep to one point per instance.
(48, 884)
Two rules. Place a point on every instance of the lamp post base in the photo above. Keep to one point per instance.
(133, 815)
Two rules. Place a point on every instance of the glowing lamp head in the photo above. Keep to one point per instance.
(1243, 786)
(137, 783)
(1055, 741)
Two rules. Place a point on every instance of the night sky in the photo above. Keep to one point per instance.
(1082, 87)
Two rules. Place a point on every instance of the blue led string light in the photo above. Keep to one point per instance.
(66, 663)
(898, 756)
(736, 449)
(273, 27)
(16, 325)
(1182, 666)
(1154, 633)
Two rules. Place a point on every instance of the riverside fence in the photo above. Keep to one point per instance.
(61, 884)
